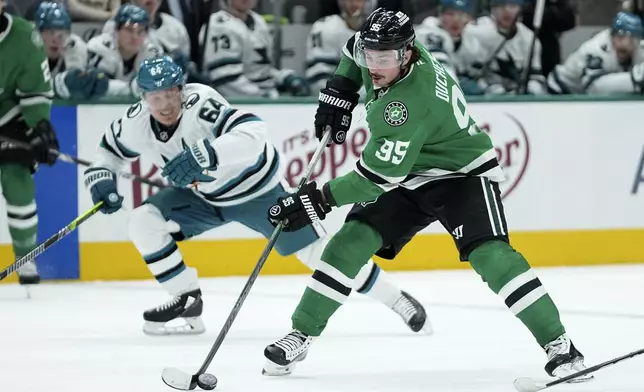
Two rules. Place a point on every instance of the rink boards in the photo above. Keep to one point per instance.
(574, 192)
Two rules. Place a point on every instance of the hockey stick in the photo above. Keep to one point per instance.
(527, 384)
(50, 241)
(536, 23)
(181, 380)
(81, 162)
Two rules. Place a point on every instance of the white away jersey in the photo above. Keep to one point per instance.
(457, 57)
(507, 58)
(595, 69)
(167, 32)
(248, 164)
(324, 49)
(237, 56)
(74, 56)
(104, 55)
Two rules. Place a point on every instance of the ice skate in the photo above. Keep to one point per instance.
(412, 313)
(28, 274)
(186, 307)
(285, 353)
(564, 359)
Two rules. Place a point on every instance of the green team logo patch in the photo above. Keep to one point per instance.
(396, 113)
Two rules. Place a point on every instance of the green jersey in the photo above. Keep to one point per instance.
(421, 131)
(25, 81)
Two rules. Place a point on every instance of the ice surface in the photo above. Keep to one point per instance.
(86, 337)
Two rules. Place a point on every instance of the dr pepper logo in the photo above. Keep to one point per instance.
(512, 149)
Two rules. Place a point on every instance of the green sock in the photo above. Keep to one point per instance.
(345, 254)
(508, 274)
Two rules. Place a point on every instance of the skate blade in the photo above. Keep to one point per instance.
(274, 370)
(191, 326)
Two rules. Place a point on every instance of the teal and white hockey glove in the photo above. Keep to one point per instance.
(187, 167)
(101, 183)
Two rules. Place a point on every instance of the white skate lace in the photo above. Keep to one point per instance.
(291, 342)
(405, 308)
(170, 304)
(559, 346)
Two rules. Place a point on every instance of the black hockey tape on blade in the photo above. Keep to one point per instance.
(178, 379)
(207, 381)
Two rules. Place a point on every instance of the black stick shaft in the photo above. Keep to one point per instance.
(260, 264)
(81, 162)
(595, 368)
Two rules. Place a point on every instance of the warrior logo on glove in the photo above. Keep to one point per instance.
(301, 209)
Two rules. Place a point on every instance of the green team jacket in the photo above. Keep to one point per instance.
(25, 80)
(421, 131)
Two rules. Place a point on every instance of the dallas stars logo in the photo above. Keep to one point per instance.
(396, 113)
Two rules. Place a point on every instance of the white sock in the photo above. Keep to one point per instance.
(375, 283)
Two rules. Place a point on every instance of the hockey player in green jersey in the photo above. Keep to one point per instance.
(426, 161)
(25, 105)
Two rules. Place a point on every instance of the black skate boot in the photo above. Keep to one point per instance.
(28, 274)
(284, 354)
(413, 313)
(564, 359)
(187, 307)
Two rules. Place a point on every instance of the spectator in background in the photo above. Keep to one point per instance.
(119, 54)
(193, 14)
(237, 55)
(92, 10)
(67, 55)
(165, 31)
(558, 17)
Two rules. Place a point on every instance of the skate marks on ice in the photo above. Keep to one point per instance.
(76, 334)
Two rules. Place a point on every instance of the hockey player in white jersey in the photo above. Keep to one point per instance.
(223, 169)
(327, 38)
(119, 55)
(238, 52)
(67, 55)
(506, 43)
(165, 31)
(451, 42)
(612, 62)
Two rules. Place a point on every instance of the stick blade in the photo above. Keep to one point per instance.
(178, 379)
(526, 384)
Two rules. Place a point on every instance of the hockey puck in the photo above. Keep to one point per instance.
(207, 381)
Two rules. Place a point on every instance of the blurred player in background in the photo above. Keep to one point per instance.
(506, 45)
(25, 105)
(238, 53)
(165, 31)
(67, 55)
(119, 54)
(194, 134)
(327, 37)
(612, 62)
(426, 161)
(449, 40)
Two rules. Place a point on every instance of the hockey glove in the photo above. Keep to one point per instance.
(101, 183)
(42, 139)
(300, 209)
(187, 167)
(80, 83)
(101, 85)
(334, 113)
